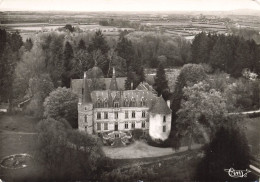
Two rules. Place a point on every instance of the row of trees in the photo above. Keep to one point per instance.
(10, 55)
(231, 54)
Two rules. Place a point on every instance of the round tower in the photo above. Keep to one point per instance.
(85, 109)
(160, 120)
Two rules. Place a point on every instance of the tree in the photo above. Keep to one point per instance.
(52, 48)
(125, 50)
(189, 75)
(141, 74)
(82, 45)
(202, 110)
(84, 157)
(160, 81)
(100, 60)
(67, 64)
(3, 40)
(69, 27)
(51, 147)
(98, 42)
(82, 61)
(28, 44)
(116, 62)
(39, 89)
(62, 103)
(15, 41)
(228, 149)
(200, 48)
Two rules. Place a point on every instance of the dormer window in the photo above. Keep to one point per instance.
(116, 104)
(126, 102)
(99, 103)
(133, 102)
(105, 103)
(142, 102)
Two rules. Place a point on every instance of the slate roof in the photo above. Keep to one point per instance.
(160, 107)
(76, 84)
(143, 96)
(134, 97)
(145, 86)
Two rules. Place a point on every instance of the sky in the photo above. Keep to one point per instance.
(128, 5)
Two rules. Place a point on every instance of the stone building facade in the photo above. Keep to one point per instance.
(117, 110)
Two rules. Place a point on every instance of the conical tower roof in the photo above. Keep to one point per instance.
(113, 83)
(86, 98)
(160, 107)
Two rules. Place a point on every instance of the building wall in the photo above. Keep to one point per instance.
(85, 118)
(156, 125)
(121, 120)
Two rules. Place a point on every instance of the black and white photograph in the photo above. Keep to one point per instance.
(129, 90)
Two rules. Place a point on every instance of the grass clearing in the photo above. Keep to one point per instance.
(252, 130)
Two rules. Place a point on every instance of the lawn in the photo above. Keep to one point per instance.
(252, 130)
(17, 136)
(140, 149)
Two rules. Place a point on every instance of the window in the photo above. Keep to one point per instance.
(133, 125)
(116, 115)
(126, 103)
(126, 115)
(164, 119)
(99, 104)
(116, 104)
(143, 114)
(105, 103)
(85, 117)
(86, 108)
(164, 128)
(86, 128)
(143, 124)
(105, 126)
(126, 125)
(133, 103)
(105, 115)
(142, 102)
(98, 126)
(98, 115)
(133, 114)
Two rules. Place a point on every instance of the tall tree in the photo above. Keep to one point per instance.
(201, 112)
(28, 44)
(82, 45)
(116, 62)
(228, 149)
(141, 74)
(62, 103)
(200, 48)
(125, 50)
(67, 64)
(160, 81)
(98, 42)
(3, 40)
(39, 88)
